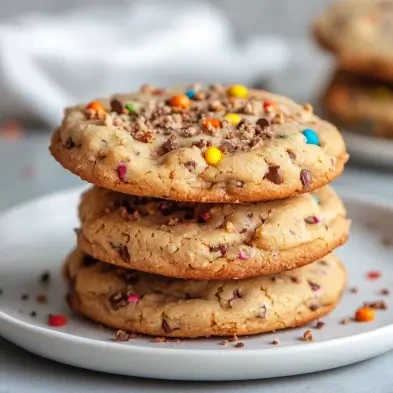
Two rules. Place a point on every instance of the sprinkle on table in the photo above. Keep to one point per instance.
(213, 155)
(373, 275)
(57, 320)
(365, 314)
(238, 91)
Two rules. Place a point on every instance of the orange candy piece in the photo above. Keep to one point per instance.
(96, 106)
(180, 101)
(216, 123)
(365, 314)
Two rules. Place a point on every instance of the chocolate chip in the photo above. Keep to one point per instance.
(69, 143)
(305, 177)
(169, 146)
(221, 248)
(190, 165)
(320, 325)
(263, 123)
(291, 155)
(313, 306)
(45, 277)
(239, 345)
(123, 252)
(25, 297)
(117, 106)
(274, 175)
(88, 260)
(165, 325)
(314, 286)
(227, 147)
(295, 279)
(118, 300)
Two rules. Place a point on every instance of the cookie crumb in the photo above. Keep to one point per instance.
(33, 314)
(25, 297)
(239, 345)
(345, 321)
(385, 292)
(158, 340)
(307, 336)
(223, 342)
(45, 277)
(378, 305)
(387, 242)
(41, 298)
(276, 341)
(234, 339)
(121, 335)
(320, 325)
(354, 290)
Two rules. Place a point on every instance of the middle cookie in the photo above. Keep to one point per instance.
(210, 241)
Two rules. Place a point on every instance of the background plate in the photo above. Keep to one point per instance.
(36, 236)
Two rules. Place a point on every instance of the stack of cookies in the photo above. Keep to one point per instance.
(210, 212)
(360, 34)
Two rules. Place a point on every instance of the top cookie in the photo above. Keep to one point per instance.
(361, 35)
(202, 144)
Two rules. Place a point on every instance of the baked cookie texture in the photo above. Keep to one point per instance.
(210, 241)
(360, 34)
(361, 104)
(155, 305)
(158, 143)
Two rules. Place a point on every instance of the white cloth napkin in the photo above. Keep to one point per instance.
(48, 62)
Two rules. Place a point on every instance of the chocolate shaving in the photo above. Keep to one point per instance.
(274, 175)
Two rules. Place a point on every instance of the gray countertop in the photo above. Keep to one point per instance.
(27, 170)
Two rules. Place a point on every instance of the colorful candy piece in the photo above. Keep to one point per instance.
(373, 275)
(180, 101)
(268, 105)
(190, 94)
(130, 108)
(133, 299)
(234, 118)
(243, 255)
(213, 155)
(96, 106)
(57, 320)
(122, 172)
(238, 91)
(210, 121)
(311, 136)
(365, 314)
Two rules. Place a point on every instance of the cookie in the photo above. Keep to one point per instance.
(360, 104)
(360, 33)
(155, 305)
(210, 241)
(200, 144)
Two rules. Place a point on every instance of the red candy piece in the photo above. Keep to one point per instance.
(122, 172)
(373, 275)
(267, 105)
(57, 320)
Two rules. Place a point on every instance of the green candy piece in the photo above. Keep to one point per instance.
(130, 108)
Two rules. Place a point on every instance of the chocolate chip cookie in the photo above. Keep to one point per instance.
(155, 305)
(360, 33)
(360, 104)
(210, 241)
(201, 144)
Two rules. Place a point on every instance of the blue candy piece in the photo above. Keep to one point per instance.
(315, 199)
(311, 136)
(190, 94)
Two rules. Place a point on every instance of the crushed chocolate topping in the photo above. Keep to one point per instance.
(227, 147)
(117, 106)
(202, 143)
(305, 178)
(190, 165)
(274, 174)
(190, 131)
(168, 146)
(219, 248)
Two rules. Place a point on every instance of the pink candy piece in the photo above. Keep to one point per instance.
(242, 255)
(133, 299)
(122, 172)
(312, 220)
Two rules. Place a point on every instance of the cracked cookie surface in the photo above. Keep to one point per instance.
(156, 305)
(210, 241)
(224, 144)
(360, 33)
(360, 104)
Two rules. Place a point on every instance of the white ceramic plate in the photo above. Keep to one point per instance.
(377, 151)
(36, 236)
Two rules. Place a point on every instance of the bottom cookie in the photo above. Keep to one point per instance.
(160, 306)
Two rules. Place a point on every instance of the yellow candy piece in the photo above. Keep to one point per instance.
(239, 91)
(213, 155)
(234, 118)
